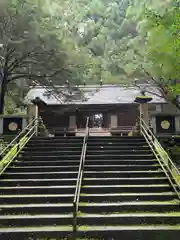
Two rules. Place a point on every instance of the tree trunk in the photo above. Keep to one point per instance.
(2, 94)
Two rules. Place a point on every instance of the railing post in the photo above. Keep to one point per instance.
(36, 126)
(18, 141)
(74, 218)
(140, 117)
(79, 179)
(36, 119)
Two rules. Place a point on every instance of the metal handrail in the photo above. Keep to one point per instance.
(16, 145)
(80, 177)
(163, 158)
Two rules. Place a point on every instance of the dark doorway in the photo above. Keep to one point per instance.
(95, 121)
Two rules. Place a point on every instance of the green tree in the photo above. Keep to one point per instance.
(31, 47)
(101, 29)
(156, 49)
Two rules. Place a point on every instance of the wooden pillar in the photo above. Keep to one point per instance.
(114, 121)
(72, 122)
(33, 113)
(106, 122)
(144, 113)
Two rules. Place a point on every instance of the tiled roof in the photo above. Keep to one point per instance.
(94, 94)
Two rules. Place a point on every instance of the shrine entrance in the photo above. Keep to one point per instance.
(96, 120)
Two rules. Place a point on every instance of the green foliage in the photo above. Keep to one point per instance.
(33, 48)
(158, 42)
(100, 28)
(116, 41)
(123, 37)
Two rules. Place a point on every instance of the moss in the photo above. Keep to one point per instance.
(84, 227)
(84, 204)
(84, 195)
(155, 164)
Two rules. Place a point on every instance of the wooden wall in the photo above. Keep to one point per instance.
(127, 115)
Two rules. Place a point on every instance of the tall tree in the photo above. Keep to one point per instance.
(157, 47)
(99, 27)
(31, 47)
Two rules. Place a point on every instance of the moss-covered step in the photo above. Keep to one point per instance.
(122, 156)
(123, 197)
(156, 206)
(126, 181)
(36, 198)
(129, 219)
(131, 174)
(37, 220)
(36, 208)
(37, 182)
(126, 188)
(34, 175)
(139, 232)
(33, 233)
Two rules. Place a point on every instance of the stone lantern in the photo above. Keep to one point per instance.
(143, 100)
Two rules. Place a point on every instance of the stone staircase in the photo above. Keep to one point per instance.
(124, 193)
(36, 192)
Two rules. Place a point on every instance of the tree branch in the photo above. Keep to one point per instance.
(31, 76)
(159, 84)
(16, 63)
(7, 57)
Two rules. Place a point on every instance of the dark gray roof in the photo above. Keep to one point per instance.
(94, 94)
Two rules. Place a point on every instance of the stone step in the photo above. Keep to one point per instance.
(51, 145)
(36, 232)
(42, 149)
(121, 156)
(122, 174)
(125, 207)
(49, 157)
(54, 154)
(148, 232)
(121, 162)
(36, 220)
(37, 182)
(125, 188)
(43, 168)
(121, 167)
(142, 232)
(42, 175)
(125, 197)
(119, 152)
(111, 143)
(36, 198)
(126, 181)
(113, 147)
(48, 163)
(22, 209)
(53, 189)
(56, 140)
(123, 138)
(129, 219)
